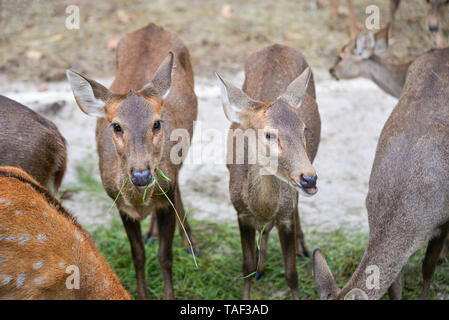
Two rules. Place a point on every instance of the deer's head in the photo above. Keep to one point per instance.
(135, 119)
(325, 283)
(283, 130)
(351, 62)
(436, 10)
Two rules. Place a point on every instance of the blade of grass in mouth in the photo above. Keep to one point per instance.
(118, 195)
(162, 174)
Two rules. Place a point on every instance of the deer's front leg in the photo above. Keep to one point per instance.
(287, 238)
(166, 221)
(134, 233)
(247, 237)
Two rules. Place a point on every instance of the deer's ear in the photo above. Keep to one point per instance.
(356, 294)
(160, 84)
(364, 44)
(324, 280)
(297, 89)
(234, 100)
(90, 96)
(381, 39)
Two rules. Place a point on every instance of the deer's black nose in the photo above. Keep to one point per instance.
(308, 182)
(141, 178)
(433, 28)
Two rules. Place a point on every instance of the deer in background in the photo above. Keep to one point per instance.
(42, 245)
(435, 14)
(361, 57)
(436, 10)
(276, 99)
(151, 96)
(31, 142)
(408, 197)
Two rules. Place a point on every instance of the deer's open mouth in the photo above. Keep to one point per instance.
(308, 192)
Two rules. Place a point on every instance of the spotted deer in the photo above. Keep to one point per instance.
(278, 99)
(44, 252)
(31, 142)
(151, 96)
(408, 197)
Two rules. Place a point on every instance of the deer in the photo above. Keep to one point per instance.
(363, 57)
(33, 143)
(151, 96)
(278, 99)
(408, 196)
(43, 248)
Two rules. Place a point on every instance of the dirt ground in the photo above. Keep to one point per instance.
(36, 48)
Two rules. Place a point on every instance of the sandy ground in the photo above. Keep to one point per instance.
(352, 113)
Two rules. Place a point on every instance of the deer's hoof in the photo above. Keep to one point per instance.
(196, 251)
(149, 240)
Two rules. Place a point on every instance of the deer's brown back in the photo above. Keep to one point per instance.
(31, 142)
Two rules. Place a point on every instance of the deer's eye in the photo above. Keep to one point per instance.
(117, 128)
(156, 125)
(270, 136)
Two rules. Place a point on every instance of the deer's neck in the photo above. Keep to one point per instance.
(389, 77)
(380, 266)
(264, 193)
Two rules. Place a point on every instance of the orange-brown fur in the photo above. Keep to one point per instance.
(39, 239)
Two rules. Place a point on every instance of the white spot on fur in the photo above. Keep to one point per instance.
(1, 237)
(1, 260)
(78, 237)
(9, 203)
(11, 238)
(2, 200)
(24, 238)
(18, 212)
(38, 265)
(74, 248)
(106, 284)
(21, 279)
(38, 280)
(41, 238)
(33, 203)
(6, 280)
(61, 264)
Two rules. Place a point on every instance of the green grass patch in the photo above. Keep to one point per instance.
(219, 275)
